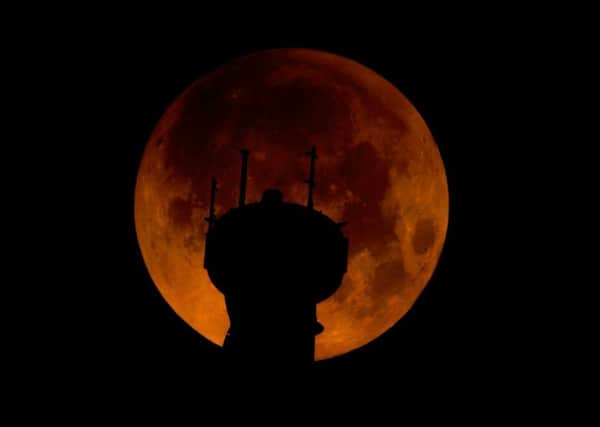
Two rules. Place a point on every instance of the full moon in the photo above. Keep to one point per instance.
(379, 169)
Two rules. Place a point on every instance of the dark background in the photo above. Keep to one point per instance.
(465, 329)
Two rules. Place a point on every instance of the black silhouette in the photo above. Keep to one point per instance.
(273, 261)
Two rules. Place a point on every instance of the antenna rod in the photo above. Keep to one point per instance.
(311, 180)
(244, 177)
(211, 211)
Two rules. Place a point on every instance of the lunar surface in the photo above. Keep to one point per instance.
(379, 169)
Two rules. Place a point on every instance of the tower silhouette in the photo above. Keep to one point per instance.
(273, 261)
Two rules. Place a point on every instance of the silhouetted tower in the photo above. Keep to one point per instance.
(274, 261)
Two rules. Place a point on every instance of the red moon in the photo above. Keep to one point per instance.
(379, 169)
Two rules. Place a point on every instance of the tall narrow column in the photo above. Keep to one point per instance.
(244, 177)
(311, 179)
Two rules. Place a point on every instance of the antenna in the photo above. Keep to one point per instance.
(211, 218)
(244, 176)
(311, 180)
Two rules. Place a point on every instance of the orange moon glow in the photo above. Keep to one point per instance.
(379, 169)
